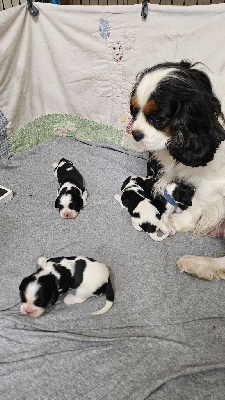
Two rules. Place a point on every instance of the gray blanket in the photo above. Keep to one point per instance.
(164, 337)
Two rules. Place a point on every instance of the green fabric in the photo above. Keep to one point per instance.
(46, 127)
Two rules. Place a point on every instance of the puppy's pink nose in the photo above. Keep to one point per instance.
(66, 215)
(28, 312)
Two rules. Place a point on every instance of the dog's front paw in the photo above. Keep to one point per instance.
(202, 267)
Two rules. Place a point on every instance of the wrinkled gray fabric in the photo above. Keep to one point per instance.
(164, 336)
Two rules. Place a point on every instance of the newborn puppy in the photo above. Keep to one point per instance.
(57, 275)
(150, 210)
(144, 215)
(72, 195)
(176, 197)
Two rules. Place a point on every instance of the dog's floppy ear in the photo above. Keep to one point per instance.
(57, 202)
(53, 289)
(195, 133)
(49, 284)
(25, 282)
(125, 200)
(194, 127)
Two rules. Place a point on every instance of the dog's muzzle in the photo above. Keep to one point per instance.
(138, 135)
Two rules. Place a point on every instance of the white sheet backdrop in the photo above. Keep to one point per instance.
(82, 60)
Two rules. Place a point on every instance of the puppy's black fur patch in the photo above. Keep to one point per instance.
(54, 278)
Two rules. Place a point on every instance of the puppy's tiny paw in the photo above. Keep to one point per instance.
(70, 299)
(137, 227)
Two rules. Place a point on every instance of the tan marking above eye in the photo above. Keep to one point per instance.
(166, 130)
(149, 107)
(134, 102)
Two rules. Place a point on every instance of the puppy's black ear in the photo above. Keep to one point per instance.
(25, 282)
(125, 182)
(77, 202)
(52, 287)
(125, 200)
(49, 288)
(57, 202)
(55, 295)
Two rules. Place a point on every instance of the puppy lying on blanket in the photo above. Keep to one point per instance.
(150, 211)
(56, 275)
(72, 195)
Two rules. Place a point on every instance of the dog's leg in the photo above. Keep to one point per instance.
(73, 299)
(80, 296)
(203, 267)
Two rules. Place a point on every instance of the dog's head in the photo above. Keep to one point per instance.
(173, 107)
(37, 292)
(69, 202)
(182, 193)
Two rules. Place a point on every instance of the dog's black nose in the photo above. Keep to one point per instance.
(137, 135)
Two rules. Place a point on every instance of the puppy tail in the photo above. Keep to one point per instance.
(41, 261)
(109, 292)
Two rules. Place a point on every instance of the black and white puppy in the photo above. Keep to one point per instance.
(144, 215)
(72, 195)
(150, 210)
(57, 275)
(178, 118)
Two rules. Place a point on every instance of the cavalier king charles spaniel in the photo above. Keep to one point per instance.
(57, 275)
(149, 210)
(178, 119)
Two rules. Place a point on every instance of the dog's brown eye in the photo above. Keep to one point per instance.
(149, 118)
